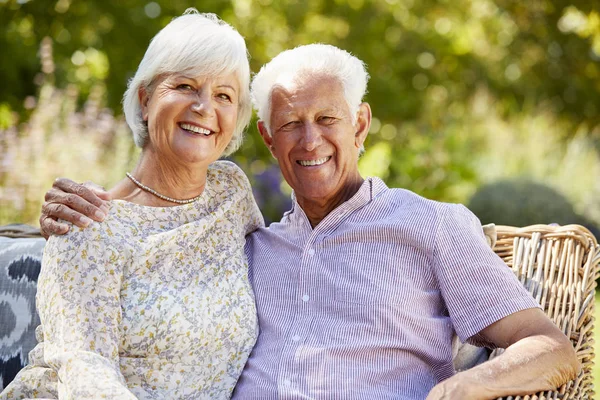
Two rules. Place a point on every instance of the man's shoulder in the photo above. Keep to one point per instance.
(405, 206)
(407, 200)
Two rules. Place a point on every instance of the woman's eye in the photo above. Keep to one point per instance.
(184, 86)
(224, 96)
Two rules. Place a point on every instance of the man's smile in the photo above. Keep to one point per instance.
(310, 163)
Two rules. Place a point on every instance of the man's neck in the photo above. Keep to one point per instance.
(316, 209)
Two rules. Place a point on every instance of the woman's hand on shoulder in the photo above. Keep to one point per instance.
(72, 202)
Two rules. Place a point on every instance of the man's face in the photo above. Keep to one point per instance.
(314, 139)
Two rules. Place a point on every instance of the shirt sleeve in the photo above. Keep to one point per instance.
(476, 285)
(79, 305)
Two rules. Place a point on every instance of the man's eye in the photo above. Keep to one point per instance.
(327, 119)
(289, 125)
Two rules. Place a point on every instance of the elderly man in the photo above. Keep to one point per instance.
(360, 288)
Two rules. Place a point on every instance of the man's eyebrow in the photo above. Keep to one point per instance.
(284, 114)
(335, 110)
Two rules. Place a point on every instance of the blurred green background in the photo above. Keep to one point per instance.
(491, 103)
(494, 104)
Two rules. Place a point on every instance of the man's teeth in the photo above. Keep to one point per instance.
(307, 163)
(195, 129)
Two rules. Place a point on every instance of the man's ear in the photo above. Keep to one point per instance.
(144, 98)
(363, 124)
(266, 137)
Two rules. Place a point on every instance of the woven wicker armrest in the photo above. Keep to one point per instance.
(19, 231)
(559, 266)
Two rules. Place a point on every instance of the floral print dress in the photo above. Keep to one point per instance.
(152, 303)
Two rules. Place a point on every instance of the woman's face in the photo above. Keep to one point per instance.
(191, 119)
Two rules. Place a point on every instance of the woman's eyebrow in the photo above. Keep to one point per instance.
(227, 86)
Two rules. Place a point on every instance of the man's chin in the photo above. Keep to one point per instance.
(314, 192)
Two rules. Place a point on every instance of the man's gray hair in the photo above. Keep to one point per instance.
(319, 59)
(196, 44)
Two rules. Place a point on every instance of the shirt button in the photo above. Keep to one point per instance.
(295, 338)
(311, 252)
(305, 297)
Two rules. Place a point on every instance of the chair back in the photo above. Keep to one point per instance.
(559, 266)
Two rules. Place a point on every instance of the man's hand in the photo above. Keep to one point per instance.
(538, 357)
(450, 389)
(72, 202)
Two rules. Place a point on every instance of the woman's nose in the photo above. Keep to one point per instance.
(202, 104)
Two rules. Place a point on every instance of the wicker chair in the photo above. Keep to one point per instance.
(559, 266)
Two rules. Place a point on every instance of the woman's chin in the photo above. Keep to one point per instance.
(200, 158)
(198, 153)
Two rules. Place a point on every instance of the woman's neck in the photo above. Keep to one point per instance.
(171, 179)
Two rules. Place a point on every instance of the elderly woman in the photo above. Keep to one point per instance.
(154, 302)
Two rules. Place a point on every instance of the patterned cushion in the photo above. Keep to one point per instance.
(20, 261)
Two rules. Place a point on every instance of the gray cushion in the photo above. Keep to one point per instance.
(20, 262)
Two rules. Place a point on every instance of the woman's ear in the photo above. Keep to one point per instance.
(144, 98)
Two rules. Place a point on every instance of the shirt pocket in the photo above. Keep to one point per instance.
(379, 274)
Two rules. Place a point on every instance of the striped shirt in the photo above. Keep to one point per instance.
(365, 305)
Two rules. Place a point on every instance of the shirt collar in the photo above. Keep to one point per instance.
(370, 188)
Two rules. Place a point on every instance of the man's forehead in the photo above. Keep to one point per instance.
(291, 82)
(314, 91)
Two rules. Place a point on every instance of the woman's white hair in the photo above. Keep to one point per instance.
(198, 44)
(319, 59)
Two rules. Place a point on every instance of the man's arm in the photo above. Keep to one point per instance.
(538, 357)
(72, 202)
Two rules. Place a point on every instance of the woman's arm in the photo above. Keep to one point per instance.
(79, 305)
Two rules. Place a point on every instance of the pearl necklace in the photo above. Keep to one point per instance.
(161, 196)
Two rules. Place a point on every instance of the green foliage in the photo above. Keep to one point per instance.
(463, 92)
(544, 52)
(521, 203)
(60, 137)
(530, 146)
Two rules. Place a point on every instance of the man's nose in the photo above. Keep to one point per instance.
(312, 137)
(202, 104)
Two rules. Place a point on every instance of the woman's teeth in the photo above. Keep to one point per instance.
(195, 129)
